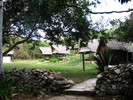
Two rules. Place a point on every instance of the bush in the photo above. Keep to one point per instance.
(54, 60)
(6, 89)
(71, 54)
(103, 59)
(41, 60)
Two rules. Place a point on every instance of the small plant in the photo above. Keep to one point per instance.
(6, 89)
(104, 58)
(41, 60)
(54, 60)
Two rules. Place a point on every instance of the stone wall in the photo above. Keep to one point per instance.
(38, 81)
(116, 80)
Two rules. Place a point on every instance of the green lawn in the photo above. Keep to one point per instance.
(70, 69)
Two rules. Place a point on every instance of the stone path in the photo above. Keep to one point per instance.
(72, 97)
(83, 91)
(85, 88)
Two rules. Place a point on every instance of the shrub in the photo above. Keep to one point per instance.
(104, 58)
(41, 60)
(6, 89)
(71, 54)
(54, 60)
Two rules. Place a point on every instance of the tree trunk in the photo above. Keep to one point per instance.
(1, 25)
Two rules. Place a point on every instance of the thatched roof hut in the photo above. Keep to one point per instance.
(46, 50)
(54, 49)
(60, 49)
(91, 47)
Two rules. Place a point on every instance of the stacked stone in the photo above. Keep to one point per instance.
(38, 81)
(115, 80)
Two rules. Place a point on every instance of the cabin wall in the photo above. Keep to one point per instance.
(120, 56)
(130, 57)
(6, 59)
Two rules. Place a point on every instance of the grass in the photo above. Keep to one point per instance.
(70, 69)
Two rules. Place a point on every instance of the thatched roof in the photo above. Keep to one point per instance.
(46, 50)
(91, 47)
(85, 50)
(60, 49)
(129, 47)
(116, 45)
(10, 53)
(111, 44)
(55, 49)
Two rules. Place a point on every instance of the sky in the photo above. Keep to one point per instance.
(111, 5)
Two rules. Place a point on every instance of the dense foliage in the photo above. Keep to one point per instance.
(124, 1)
(58, 18)
(125, 31)
(29, 50)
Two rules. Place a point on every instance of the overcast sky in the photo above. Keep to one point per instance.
(111, 5)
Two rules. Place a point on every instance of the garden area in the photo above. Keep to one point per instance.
(55, 76)
(70, 69)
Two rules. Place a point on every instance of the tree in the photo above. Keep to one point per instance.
(58, 18)
(125, 31)
(124, 1)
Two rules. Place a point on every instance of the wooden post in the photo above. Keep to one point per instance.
(83, 62)
(127, 57)
(132, 58)
(123, 56)
(80, 56)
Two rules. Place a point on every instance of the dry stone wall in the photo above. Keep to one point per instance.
(38, 81)
(116, 80)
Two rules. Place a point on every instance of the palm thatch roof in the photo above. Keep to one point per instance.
(60, 49)
(85, 50)
(10, 53)
(46, 50)
(91, 47)
(116, 45)
(129, 47)
(111, 44)
(55, 49)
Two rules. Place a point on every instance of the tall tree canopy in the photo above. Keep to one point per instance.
(125, 30)
(124, 1)
(58, 18)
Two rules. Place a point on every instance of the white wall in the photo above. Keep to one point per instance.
(6, 59)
